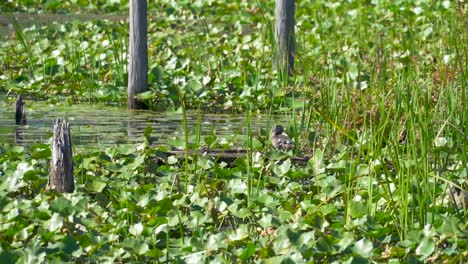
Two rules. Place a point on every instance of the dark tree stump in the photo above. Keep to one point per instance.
(20, 112)
(61, 177)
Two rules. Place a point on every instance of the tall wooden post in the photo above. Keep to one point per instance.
(284, 36)
(61, 176)
(20, 111)
(138, 54)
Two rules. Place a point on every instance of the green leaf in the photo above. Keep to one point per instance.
(177, 143)
(145, 96)
(216, 242)
(440, 142)
(283, 168)
(358, 209)
(237, 186)
(6, 256)
(325, 244)
(242, 213)
(426, 247)
(353, 72)
(156, 74)
(364, 248)
(171, 160)
(339, 165)
(69, 245)
(148, 131)
(196, 257)
(125, 149)
(265, 221)
(316, 162)
(55, 222)
(95, 186)
(276, 155)
(194, 85)
(85, 240)
(450, 225)
(138, 246)
(136, 229)
(240, 233)
(362, 169)
(346, 241)
(61, 205)
(41, 153)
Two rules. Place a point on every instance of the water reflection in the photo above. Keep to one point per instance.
(19, 135)
(100, 126)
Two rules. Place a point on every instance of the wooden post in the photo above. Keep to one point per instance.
(138, 54)
(61, 176)
(20, 112)
(284, 36)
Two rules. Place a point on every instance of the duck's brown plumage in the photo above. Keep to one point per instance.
(281, 141)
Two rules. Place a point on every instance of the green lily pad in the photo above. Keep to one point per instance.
(95, 185)
(136, 229)
(426, 247)
(282, 168)
(363, 248)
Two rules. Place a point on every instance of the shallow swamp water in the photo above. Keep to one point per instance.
(94, 126)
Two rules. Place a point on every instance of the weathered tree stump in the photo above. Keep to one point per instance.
(284, 36)
(61, 177)
(20, 111)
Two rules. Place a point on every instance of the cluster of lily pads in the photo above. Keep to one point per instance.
(377, 102)
(137, 204)
(220, 55)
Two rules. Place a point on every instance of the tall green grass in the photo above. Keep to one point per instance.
(411, 100)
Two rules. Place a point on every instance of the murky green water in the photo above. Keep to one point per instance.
(7, 20)
(98, 126)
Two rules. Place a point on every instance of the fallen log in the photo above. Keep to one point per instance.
(228, 156)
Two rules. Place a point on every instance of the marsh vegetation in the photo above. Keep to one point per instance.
(377, 102)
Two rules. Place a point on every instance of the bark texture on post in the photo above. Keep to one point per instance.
(20, 111)
(138, 54)
(284, 36)
(61, 176)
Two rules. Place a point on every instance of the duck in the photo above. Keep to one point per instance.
(280, 140)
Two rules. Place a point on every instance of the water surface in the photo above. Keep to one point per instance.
(97, 126)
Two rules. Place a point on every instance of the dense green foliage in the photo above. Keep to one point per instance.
(377, 101)
(128, 208)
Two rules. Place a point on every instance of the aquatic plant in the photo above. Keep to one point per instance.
(377, 103)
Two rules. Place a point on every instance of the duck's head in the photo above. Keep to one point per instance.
(278, 130)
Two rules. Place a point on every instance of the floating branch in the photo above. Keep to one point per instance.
(61, 176)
